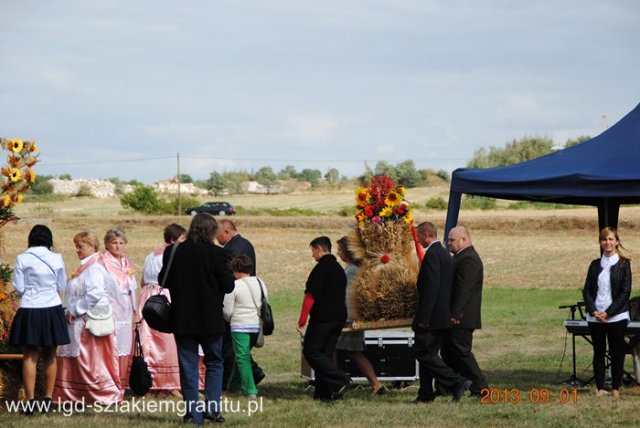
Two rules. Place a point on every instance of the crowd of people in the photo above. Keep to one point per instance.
(85, 337)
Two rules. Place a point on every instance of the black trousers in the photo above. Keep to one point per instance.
(318, 347)
(230, 359)
(428, 344)
(456, 353)
(614, 332)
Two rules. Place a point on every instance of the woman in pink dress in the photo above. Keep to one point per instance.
(159, 348)
(121, 270)
(87, 367)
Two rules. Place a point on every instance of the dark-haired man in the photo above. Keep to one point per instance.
(324, 302)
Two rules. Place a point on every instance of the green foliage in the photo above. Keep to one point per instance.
(64, 177)
(233, 181)
(279, 212)
(444, 175)
(404, 173)
(215, 182)
(437, 203)
(288, 173)
(185, 178)
(347, 211)
(42, 186)
(310, 175)
(332, 176)
(573, 141)
(5, 272)
(84, 191)
(478, 203)
(144, 199)
(513, 152)
(266, 177)
(119, 185)
(170, 206)
(531, 205)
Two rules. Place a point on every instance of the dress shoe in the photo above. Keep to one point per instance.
(459, 392)
(340, 393)
(258, 377)
(213, 417)
(380, 391)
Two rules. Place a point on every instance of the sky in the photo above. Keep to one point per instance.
(119, 88)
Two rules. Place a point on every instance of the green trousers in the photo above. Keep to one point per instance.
(241, 374)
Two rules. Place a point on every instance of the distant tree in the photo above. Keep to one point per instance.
(233, 181)
(288, 173)
(144, 199)
(42, 185)
(215, 182)
(332, 175)
(65, 177)
(118, 185)
(573, 141)
(366, 177)
(134, 182)
(385, 168)
(407, 174)
(444, 175)
(185, 178)
(514, 152)
(267, 177)
(311, 175)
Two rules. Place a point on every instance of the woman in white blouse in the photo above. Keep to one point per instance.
(88, 366)
(606, 295)
(39, 325)
(242, 311)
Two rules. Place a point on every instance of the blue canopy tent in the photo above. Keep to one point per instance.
(603, 172)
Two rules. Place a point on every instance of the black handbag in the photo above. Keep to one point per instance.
(157, 309)
(139, 378)
(265, 313)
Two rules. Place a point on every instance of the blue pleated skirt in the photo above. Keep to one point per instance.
(39, 327)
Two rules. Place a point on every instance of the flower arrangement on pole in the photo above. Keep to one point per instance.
(383, 243)
(17, 177)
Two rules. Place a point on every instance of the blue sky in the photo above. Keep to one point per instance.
(113, 88)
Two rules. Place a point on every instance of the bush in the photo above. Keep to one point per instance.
(171, 205)
(144, 199)
(530, 205)
(437, 203)
(42, 186)
(478, 203)
(347, 211)
(84, 191)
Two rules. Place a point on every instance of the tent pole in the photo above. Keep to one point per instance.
(453, 210)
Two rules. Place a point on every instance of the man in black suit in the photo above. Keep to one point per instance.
(432, 319)
(466, 302)
(229, 237)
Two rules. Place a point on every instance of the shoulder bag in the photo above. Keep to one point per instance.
(157, 309)
(139, 378)
(265, 313)
(100, 320)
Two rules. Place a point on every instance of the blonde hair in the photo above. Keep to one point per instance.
(87, 237)
(605, 231)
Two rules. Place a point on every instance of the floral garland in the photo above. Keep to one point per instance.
(18, 173)
(381, 202)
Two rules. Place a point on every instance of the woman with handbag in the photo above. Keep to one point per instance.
(123, 301)
(39, 325)
(242, 311)
(88, 366)
(159, 348)
(198, 277)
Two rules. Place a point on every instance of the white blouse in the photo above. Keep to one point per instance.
(603, 296)
(241, 306)
(39, 277)
(152, 267)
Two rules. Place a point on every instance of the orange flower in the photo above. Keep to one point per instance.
(30, 175)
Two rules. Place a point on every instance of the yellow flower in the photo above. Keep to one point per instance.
(30, 175)
(15, 175)
(17, 197)
(362, 197)
(16, 145)
(6, 201)
(393, 199)
(401, 190)
(409, 217)
(386, 211)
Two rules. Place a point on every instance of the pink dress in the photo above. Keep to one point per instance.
(87, 367)
(123, 301)
(159, 349)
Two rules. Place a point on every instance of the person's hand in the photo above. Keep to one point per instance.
(69, 316)
(454, 321)
(300, 328)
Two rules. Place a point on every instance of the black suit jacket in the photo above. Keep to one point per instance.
(434, 290)
(198, 279)
(620, 275)
(466, 298)
(240, 246)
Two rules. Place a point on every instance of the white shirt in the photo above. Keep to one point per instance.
(152, 267)
(242, 305)
(603, 296)
(39, 277)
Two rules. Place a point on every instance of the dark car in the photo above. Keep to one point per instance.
(215, 208)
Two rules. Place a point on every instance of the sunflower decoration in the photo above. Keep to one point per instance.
(18, 174)
(384, 289)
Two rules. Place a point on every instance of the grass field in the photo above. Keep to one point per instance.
(534, 262)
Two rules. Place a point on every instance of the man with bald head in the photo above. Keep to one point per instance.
(466, 300)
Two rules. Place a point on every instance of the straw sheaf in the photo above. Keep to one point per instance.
(384, 290)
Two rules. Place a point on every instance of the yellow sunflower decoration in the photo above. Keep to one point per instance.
(17, 174)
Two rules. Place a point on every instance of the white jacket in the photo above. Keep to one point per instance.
(242, 306)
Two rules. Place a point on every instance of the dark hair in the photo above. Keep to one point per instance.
(604, 232)
(242, 264)
(203, 228)
(173, 232)
(40, 236)
(323, 242)
(343, 244)
(427, 228)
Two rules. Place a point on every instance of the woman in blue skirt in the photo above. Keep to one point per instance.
(39, 325)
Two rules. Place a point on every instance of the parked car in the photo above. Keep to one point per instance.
(215, 208)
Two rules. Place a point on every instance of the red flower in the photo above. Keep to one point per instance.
(385, 259)
(402, 208)
(368, 211)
